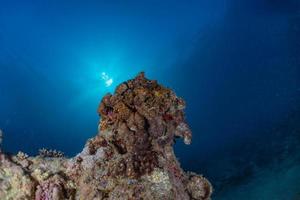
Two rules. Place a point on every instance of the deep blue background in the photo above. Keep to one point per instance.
(236, 63)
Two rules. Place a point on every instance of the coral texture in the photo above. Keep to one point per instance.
(131, 158)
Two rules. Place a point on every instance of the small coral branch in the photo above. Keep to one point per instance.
(49, 153)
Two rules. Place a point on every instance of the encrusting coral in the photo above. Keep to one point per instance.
(131, 158)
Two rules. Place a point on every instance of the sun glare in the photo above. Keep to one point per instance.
(108, 81)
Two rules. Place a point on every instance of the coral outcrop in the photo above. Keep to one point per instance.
(131, 158)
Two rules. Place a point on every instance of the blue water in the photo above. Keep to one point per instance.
(236, 63)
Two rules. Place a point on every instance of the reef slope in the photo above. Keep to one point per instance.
(130, 158)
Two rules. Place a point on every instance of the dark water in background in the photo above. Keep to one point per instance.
(236, 63)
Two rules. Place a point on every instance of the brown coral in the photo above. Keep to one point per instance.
(131, 158)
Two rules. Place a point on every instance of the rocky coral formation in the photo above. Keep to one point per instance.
(131, 158)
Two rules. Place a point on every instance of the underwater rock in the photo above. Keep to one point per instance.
(130, 158)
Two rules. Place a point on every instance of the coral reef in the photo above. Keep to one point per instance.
(130, 158)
